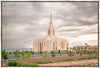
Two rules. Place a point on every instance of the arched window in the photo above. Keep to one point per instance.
(53, 45)
(53, 32)
(62, 45)
(40, 47)
(49, 32)
(44, 43)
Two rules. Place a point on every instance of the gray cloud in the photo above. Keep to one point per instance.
(24, 22)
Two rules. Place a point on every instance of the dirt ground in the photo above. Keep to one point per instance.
(93, 62)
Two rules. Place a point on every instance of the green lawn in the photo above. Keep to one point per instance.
(45, 62)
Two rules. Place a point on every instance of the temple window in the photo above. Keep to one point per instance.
(53, 45)
(62, 44)
(40, 47)
(44, 43)
(53, 32)
(49, 32)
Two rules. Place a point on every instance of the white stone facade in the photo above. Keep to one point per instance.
(50, 42)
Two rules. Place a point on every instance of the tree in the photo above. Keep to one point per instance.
(81, 47)
(96, 53)
(41, 52)
(70, 48)
(67, 48)
(89, 52)
(9, 52)
(71, 53)
(45, 54)
(17, 54)
(85, 49)
(4, 55)
(32, 52)
(74, 48)
(59, 52)
(81, 53)
(52, 53)
(26, 55)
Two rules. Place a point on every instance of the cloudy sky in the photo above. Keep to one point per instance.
(24, 22)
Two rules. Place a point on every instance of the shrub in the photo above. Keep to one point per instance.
(45, 55)
(41, 52)
(71, 53)
(16, 63)
(9, 52)
(96, 53)
(52, 53)
(81, 53)
(16, 53)
(26, 51)
(13, 63)
(26, 55)
(32, 52)
(4, 54)
(90, 53)
(81, 47)
(74, 48)
(59, 52)
(20, 52)
(77, 52)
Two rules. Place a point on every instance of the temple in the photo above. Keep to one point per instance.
(50, 42)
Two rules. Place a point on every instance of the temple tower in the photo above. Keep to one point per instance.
(51, 29)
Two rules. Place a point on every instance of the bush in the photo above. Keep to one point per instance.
(13, 63)
(96, 53)
(89, 52)
(10, 53)
(20, 52)
(26, 51)
(71, 53)
(16, 63)
(59, 52)
(74, 48)
(41, 52)
(81, 53)
(32, 52)
(52, 53)
(45, 55)
(26, 55)
(16, 53)
(4, 54)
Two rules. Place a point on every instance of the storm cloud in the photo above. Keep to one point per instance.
(24, 22)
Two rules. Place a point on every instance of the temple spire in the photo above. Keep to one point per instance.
(50, 15)
(51, 30)
(51, 24)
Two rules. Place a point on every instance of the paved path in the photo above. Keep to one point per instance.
(93, 62)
